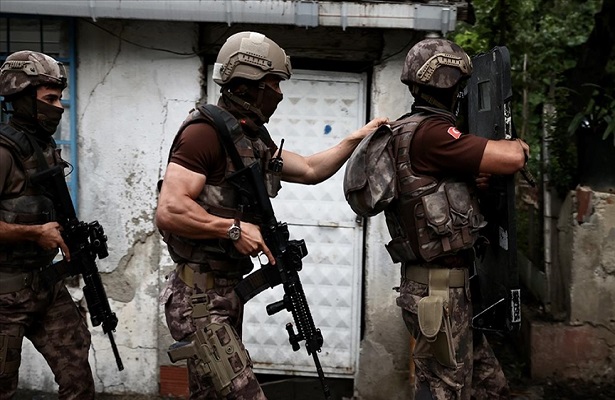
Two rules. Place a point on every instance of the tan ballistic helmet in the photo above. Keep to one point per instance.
(438, 63)
(29, 68)
(250, 55)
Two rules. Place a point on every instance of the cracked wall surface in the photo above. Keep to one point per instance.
(131, 98)
(583, 347)
(590, 255)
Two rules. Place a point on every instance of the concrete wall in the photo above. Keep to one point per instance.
(583, 346)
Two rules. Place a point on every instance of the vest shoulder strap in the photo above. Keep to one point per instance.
(227, 128)
(16, 141)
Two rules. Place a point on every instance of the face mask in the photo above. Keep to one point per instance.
(270, 102)
(48, 116)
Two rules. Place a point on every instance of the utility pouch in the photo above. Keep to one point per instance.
(431, 318)
(433, 314)
(400, 250)
(430, 311)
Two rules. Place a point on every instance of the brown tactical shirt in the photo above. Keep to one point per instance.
(198, 149)
(439, 149)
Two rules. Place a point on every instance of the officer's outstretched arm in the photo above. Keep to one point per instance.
(322, 165)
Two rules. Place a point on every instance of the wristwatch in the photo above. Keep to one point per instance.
(234, 232)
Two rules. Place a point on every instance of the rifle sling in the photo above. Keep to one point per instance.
(224, 133)
(266, 276)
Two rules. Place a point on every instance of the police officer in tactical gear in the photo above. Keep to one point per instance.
(434, 225)
(208, 235)
(29, 234)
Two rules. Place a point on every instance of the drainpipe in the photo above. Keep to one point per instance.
(548, 219)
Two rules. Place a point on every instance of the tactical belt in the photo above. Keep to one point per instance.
(11, 282)
(205, 280)
(420, 274)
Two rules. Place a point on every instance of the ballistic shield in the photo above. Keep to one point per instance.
(496, 293)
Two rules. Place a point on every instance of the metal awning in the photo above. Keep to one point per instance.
(433, 16)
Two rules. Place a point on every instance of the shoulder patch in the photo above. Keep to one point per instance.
(454, 132)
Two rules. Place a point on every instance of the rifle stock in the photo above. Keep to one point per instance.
(86, 242)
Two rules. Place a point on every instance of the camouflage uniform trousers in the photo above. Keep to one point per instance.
(225, 308)
(52, 322)
(478, 374)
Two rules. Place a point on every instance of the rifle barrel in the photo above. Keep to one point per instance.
(116, 353)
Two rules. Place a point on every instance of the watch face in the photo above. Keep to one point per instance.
(234, 232)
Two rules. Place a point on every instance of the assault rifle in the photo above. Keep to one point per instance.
(288, 254)
(85, 241)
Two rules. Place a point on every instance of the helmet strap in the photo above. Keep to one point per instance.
(242, 103)
(419, 93)
(432, 100)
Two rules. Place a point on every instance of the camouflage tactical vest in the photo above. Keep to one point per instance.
(221, 199)
(430, 217)
(31, 206)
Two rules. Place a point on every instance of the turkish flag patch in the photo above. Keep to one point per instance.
(454, 132)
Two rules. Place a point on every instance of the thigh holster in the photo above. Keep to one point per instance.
(216, 348)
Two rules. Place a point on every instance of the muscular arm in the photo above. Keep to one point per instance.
(179, 213)
(322, 165)
(503, 156)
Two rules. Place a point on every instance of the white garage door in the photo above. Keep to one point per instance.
(318, 110)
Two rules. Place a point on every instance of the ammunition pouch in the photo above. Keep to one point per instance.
(442, 221)
(216, 348)
(447, 220)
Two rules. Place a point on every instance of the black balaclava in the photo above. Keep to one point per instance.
(254, 100)
(35, 116)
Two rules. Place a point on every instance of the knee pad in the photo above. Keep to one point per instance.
(10, 354)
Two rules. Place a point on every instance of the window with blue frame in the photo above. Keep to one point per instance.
(56, 38)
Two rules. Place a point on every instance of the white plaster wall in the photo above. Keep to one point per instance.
(385, 348)
(131, 100)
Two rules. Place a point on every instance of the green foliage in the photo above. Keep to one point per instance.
(541, 36)
(598, 113)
